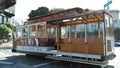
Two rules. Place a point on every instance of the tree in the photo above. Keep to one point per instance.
(32, 14)
(4, 31)
(39, 12)
(9, 25)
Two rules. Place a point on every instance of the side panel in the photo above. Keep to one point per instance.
(95, 46)
(73, 39)
(109, 34)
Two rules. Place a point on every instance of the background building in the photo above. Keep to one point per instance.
(116, 24)
(6, 14)
(116, 20)
(7, 10)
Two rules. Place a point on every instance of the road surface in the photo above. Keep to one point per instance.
(18, 60)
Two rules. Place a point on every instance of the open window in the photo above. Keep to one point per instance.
(19, 32)
(32, 30)
(92, 30)
(80, 29)
(41, 30)
(64, 32)
(25, 31)
(51, 32)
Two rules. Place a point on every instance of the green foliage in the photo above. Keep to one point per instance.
(9, 25)
(4, 31)
(32, 14)
(39, 12)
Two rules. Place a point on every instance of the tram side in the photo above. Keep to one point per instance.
(88, 36)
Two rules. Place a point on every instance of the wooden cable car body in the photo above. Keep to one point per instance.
(70, 35)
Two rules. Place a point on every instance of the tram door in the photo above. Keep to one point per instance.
(73, 38)
(51, 35)
(65, 38)
(109, 34)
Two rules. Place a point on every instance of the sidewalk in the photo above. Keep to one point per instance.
(7, 44)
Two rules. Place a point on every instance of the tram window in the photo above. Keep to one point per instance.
(73, 31)
(101, 29)
(93, 30)
(80, 29)
(41, 30)
(19, 32)
(32, 30)
(51, 32)
(64, 32)
(111, 26)
(68, 31)
(108, 25)
(25, 32)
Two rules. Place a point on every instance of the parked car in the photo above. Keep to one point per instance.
(117, 43)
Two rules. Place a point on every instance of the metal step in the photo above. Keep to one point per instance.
(71, 59)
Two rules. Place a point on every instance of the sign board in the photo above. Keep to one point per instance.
(108, 3)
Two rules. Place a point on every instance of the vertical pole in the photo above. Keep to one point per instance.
(108, 8)
(86, 29)
(98, 29)
(70, 43)
(58, 35)
(104, 33)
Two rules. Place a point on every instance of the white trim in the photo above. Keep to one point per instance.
(50, 50)
(33, 48)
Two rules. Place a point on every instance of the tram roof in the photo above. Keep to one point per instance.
(56, 15)
(87, 17)
(58, 12)
(92, 16)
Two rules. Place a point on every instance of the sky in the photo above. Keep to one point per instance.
(24, 7)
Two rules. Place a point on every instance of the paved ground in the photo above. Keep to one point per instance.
(18, 60)
(116, 62)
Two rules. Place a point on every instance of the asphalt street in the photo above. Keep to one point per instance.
(18, 60)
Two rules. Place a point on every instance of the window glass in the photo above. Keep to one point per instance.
(108, 25)
(19, 32)
(80, 29)
(101, 29)
(68, 31)
(4, 19)
(25, 32)
(64, 31)
(92, 30)
(73, 31)
(111, 26)
(51, 32)
(41, 30)
(32, 30)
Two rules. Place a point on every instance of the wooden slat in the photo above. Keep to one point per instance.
(94, 46)
(65, 47)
